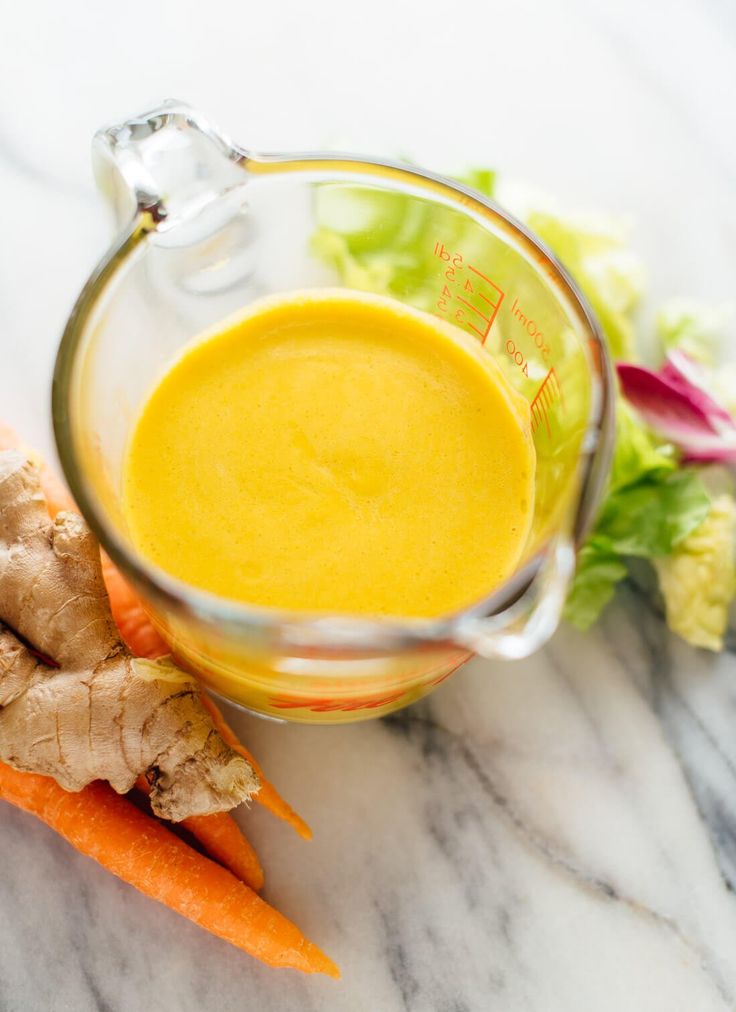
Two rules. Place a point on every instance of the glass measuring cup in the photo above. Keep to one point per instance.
(207, 228)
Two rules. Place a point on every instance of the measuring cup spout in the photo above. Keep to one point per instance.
(168, 165)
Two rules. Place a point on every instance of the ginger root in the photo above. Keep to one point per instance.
(97, 715)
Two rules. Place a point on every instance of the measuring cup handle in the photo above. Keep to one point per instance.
(165, 163)
(527, 624)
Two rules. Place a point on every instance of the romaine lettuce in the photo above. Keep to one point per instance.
(698, 579)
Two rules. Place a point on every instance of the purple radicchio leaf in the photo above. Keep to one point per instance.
(675, 403)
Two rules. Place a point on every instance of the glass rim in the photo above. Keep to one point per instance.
(317, 630)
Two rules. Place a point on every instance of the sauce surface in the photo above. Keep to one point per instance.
(333, 451)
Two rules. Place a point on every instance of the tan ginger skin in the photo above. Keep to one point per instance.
(95, 717)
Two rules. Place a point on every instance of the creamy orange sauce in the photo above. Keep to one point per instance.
(337, 452)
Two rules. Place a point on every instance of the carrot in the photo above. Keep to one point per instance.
(107, 827)
(222, 838)
(130, 616)
(141, 636)
(224, 841)
(267, 796)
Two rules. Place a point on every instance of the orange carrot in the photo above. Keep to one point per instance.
(267, 796)
(224, 841)
(141, 637)
(222, 838)
(109, 828)
(130, 616)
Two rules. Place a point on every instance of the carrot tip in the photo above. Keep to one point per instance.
(276, 805)
(301, 827)
(267, 796)
(323, 964)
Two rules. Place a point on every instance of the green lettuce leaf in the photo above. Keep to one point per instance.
(483, 180)
(637, 455)
(698, 580)
(649, 518)
(598, 572)
(651, 506)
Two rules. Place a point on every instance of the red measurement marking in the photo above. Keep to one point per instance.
(474, 308)
(518, 357)
(486, 290)
(549, 392)
(441, 678)
(494, 303)
(491, 283)
(319, 704)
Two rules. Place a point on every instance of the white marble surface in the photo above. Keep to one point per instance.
(554, 835)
